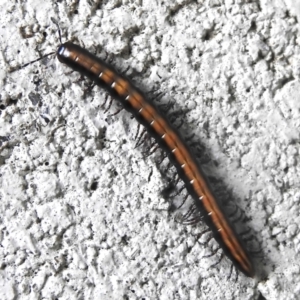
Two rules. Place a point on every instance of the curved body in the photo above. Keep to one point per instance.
(146, 113)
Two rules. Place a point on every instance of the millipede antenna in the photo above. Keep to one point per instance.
(13, 69)
(58, 28)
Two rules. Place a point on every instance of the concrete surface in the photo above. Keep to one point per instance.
(82, 214)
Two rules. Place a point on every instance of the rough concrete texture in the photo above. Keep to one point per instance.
(82, 213)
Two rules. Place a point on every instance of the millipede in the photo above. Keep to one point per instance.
(168, 138)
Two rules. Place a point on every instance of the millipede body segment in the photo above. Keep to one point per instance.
(134, 101)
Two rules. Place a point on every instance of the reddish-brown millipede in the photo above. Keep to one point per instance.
(157, 125)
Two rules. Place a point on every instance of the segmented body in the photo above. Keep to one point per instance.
(146, 113)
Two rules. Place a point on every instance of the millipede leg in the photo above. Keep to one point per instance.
(192, 216)
(109, 105)
(246, 232)
(211, 254)
(137, 131)
(234, 212)
(152, 151)
(230, 272)
(105, 101)
(140, 139)
(189, 138)
(219, 260)
(117, 112)
(180, 124)
(239, 218)
(164, 156)
(185, 198)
